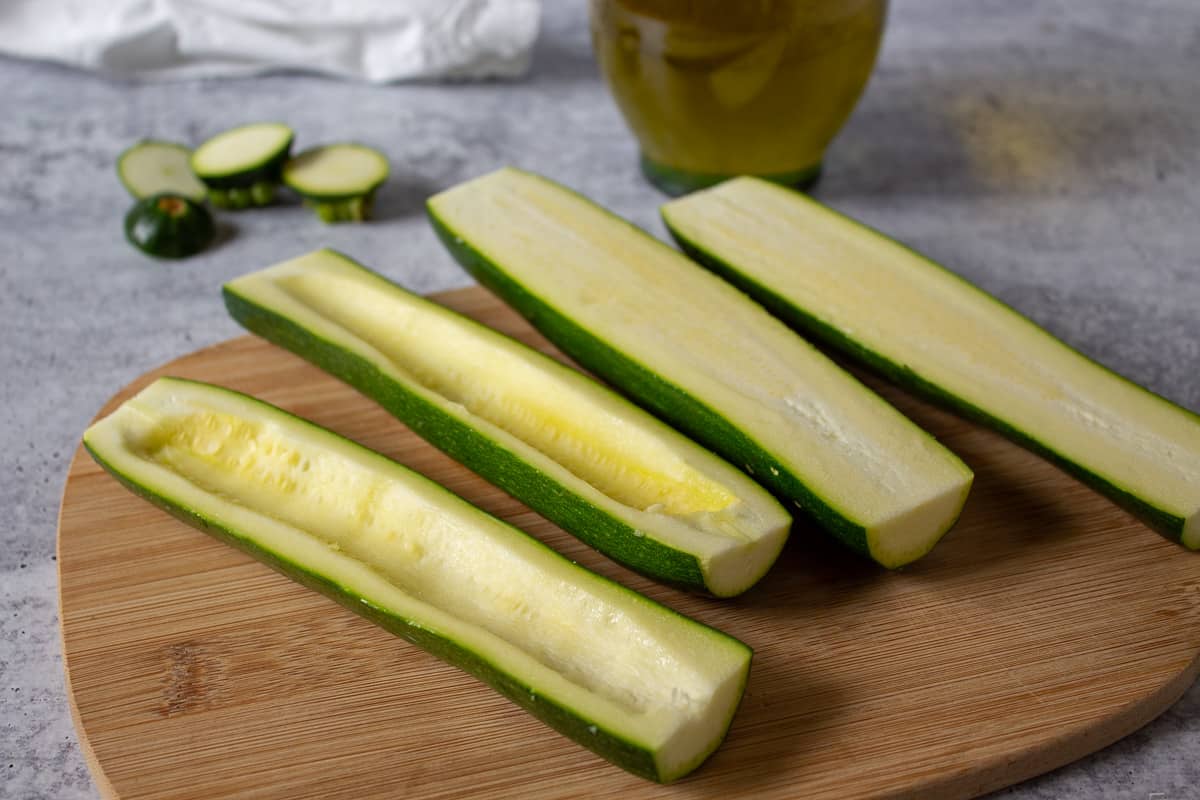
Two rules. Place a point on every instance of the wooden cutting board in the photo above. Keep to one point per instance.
(1046, 625)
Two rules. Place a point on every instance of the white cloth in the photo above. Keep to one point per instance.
(372, 40)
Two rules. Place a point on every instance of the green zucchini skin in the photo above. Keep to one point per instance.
(607, 744)
(483, 455)
(268, 172)
(1162, 522)
(169, 226)
(687, 413)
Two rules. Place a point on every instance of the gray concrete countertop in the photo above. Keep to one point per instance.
(1048, 151)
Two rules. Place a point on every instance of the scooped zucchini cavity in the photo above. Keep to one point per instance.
(571, 449)
(701, 355)
(637, 683)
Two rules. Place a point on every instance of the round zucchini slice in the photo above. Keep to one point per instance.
(338, 180)
(152, 167)
(169, 226)
(241, 166)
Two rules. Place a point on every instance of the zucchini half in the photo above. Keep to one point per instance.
(938, 335)
(700, 354)
(569, 448)
(639, 684)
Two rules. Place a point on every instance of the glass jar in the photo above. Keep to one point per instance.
(716, 88)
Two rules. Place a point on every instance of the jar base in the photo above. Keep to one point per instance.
(676, 182)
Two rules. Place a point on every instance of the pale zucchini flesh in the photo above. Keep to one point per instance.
(152, 167)
(336, 172)
(234, 154)
(641, 685)
(701, 355)
(934, 333)
(568, 447)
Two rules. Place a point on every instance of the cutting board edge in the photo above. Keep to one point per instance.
(104, 786)
(1075, 744)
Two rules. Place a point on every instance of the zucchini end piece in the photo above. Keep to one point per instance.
(152, 166)
(338, 180)
(242, 166)
(169, 226)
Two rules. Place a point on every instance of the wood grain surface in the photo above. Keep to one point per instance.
(1047, 624)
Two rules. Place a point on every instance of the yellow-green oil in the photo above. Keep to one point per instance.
(713, 88)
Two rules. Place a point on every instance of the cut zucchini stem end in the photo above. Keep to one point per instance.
(356, 209)
(241, 167)
(338, 180)
(256, 195)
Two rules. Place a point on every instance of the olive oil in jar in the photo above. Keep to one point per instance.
(714, 88)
